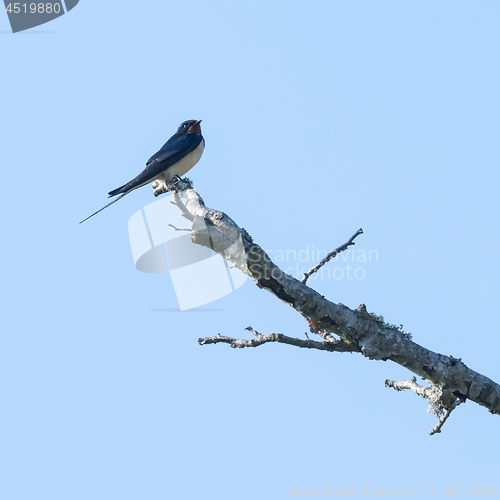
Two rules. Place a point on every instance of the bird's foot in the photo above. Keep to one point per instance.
(159, 188)
(176, 183)
(181, 183)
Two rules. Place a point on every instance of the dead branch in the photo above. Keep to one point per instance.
(335, 346)
(362, 331)
(441, 402)
(442, 420)
(331, 255)
(178, 228)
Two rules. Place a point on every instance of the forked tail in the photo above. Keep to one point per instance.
(105, 206)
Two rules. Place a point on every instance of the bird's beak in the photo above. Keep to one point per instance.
(199, 121)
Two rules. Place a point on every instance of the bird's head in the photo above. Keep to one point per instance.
(190, 127)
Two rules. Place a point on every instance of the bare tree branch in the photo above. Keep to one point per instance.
(331, 255)
(366, 332)
(178, 229)
(442, 419)
(337, 346)
(401, 385)
(441, 402)
(174, 187)
(178, 202)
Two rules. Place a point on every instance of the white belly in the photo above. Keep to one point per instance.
(183, 166)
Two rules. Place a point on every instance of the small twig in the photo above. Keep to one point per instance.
(185, 212)
(401, 385)
(331, 255)
(443, 418)
(337, 346)
(441, 403)
(175, 186)
(255, 332)
(177, 229)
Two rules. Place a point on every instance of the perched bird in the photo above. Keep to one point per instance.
(176, 157)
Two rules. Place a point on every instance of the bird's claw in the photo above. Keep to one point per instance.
(159, 188)
(175, 181)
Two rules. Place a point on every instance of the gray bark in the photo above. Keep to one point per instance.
(359, 330)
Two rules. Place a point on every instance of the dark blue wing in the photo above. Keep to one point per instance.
(173, 144)
(171, 152)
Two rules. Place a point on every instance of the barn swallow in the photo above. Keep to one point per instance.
(176, 157)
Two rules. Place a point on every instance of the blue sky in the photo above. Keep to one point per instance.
(319, 118)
